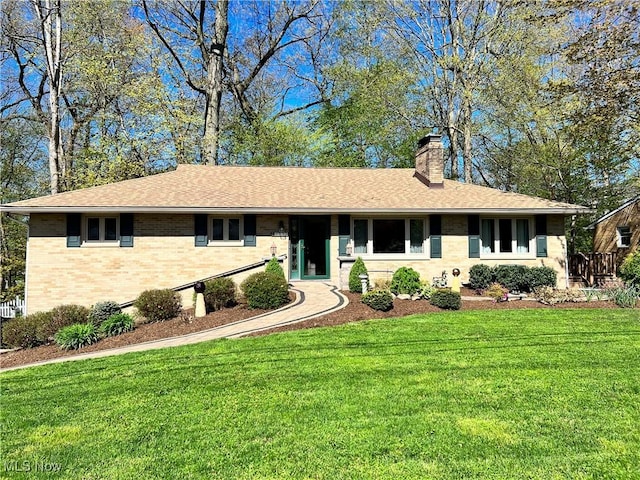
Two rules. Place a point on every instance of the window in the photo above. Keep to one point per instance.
(389, 236)
(505, 235)
(102, 229)
(624, 237)
(226, 230)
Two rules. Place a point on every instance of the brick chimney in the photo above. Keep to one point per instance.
(430, 161)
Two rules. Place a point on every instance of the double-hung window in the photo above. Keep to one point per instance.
(502, 236)
(376, 236)
(102, 229)
(226, 229)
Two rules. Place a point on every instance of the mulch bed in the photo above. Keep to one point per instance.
(353, 312)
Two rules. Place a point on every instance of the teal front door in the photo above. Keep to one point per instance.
(309, 247)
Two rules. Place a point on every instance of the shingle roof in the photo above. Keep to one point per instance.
(288, 189)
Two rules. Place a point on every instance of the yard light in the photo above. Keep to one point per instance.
(274, 249)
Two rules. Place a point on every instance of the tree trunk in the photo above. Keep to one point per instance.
(50, 17)
(466, 131)
(211, 139)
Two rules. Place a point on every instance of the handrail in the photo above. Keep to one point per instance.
(228, 273)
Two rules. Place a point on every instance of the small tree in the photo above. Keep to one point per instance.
(358, 268)
(273, 266)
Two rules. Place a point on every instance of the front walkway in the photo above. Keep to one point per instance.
(313, 299)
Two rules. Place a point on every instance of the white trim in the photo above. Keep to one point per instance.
(513, 254)
(619, 236)
(101, 242)
(369, 254)
(225, 242)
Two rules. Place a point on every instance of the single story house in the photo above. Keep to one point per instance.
(111, 242)
(618, 231)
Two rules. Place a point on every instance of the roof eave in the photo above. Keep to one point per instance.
(573, 210)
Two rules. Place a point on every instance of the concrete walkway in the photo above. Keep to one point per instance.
(313, 299)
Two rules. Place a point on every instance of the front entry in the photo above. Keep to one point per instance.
(309, 247)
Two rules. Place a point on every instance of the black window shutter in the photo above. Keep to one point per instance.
(435, 235)
(344, 233)
(541, 235)
(201, 230)
(74, 229)
(473, 225)
(249, 230)
(126, 229)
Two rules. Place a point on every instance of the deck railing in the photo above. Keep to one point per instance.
(593, 268)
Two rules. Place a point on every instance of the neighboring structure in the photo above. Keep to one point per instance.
(113, 241)
(619, 230)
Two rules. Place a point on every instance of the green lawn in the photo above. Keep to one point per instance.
(512, 394)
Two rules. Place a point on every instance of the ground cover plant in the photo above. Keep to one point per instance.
(524, 394)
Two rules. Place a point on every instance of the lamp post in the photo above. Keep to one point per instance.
(274, 249)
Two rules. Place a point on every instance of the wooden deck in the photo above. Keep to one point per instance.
(592, 269)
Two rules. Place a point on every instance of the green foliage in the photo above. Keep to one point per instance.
(426, 289)
(219, 293)
(630, 269)
(405, 280)
(446, 299)
(624, 296)
(273, 266)
(497, 292)
(265, 290)
(117, 324)
(103, 310)
(378, 300)
(158, 305)
(358, 268)
(511, 276)
(480, 276)
(62, 316)
(22, 332)
(539, 277)
(76, 336)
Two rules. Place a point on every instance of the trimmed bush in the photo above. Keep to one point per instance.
(511, 276)
(22, 332)
(358, 268)
(76, 336)
(480, 277)
(405, 280)
(102, 311)
(62, 316)
(535, 277)
(219, 293)
(116, 325)
(273, 266)
(630, 269)
(446, 299)
(265, 290)
(158, 305)
(378, 300)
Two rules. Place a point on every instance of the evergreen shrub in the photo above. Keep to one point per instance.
(358, 268)
(446, 299)
(378, 300)
(158, 305)
(219, 293)
(102, 311)
(273, 266)
(265, 290)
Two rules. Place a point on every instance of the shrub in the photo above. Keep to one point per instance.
(382, 284)
(549, 295)
(265, 290)
(480, 276)
(378, 300)
(405, 280)
(624, 297)
(219, 293)
(497, 292)
(273, 266)
(446, 299)
(62, 316)
(158, 305)
(539, 277)
(426, 290)
(358, 268)
(510, 276)
(77, 336)
(116, 325)
(630, 269)
(103, 310)
(22, 332)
